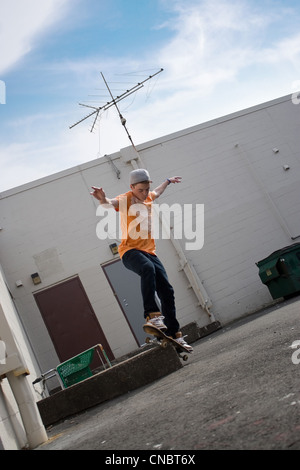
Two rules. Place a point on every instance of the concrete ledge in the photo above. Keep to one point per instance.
(195, 332)
(129, 375)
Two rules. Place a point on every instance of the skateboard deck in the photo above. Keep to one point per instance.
(163, 340)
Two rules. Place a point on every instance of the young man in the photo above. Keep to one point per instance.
(137, 249)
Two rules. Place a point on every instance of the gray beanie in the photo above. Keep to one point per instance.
(139, 175)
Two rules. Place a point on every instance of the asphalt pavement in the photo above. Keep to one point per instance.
(239, 390)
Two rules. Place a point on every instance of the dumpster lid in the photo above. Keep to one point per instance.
(286, 249)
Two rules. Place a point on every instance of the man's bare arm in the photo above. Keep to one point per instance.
(160, 189)
(100, 195)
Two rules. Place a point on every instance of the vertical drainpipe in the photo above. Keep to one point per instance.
(192, 276)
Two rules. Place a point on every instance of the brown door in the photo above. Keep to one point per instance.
(70, 320)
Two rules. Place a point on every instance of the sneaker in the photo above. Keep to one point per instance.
(180, 339)
(156, 319)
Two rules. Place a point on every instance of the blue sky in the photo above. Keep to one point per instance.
(218, 56)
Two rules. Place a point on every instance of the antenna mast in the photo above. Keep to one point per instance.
(122, 119)
(113, 102)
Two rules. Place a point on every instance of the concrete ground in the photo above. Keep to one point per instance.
(239, 390)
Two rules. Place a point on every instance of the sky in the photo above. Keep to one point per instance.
(217, 56)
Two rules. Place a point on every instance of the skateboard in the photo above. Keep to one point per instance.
(163, 340)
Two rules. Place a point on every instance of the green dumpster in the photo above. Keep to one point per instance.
(280, 271)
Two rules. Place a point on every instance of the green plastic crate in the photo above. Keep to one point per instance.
(76, 369)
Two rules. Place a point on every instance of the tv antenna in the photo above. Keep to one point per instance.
(96, 110)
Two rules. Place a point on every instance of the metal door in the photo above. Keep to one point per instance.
(126, 287)
(71, 320)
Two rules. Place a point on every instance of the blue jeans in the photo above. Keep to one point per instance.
(154, 279)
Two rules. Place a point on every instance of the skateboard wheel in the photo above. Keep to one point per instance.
(185, 357)
(164, 343)
(148, 340)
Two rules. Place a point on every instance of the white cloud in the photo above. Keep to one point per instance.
(288, 50)
(214, 40)
(53, 147)
(218, 62)
(26, 161)
(21, 21)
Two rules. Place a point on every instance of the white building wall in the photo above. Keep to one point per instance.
(251, 209)
(251, 203)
